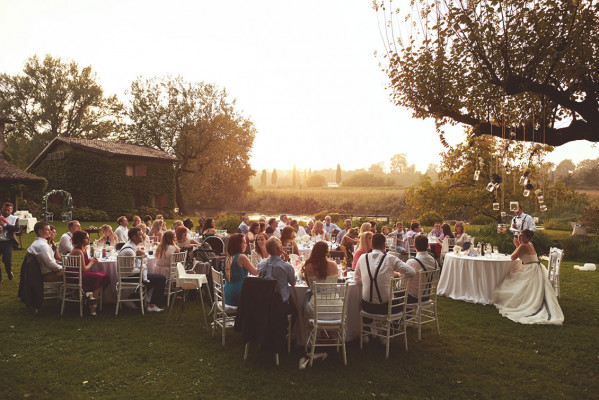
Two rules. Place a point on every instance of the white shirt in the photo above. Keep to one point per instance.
(65, 246)
(429, 263)
(43, 252)
(524, 221)
(130, 249)
(122, 233)
(12, 220)
(390, 264)
(277, 233)
(300, 232)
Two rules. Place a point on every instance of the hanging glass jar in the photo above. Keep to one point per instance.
(543, 207)
(496, 206)
(513, 206)
(476, 174)
(501, 228)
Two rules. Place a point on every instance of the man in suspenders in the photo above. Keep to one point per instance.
(374, 272)
(520, 222)
(422, 262)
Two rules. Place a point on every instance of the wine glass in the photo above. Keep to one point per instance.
(495, 250)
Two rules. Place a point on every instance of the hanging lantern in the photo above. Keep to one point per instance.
(543, 207)
(501, 228)
(490, 187)
(513, 206)
(536, 219)
(524, 178)
(527, 189)
(503, 214)
(476, 174)
(496, 206)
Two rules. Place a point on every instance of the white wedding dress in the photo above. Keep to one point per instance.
(526, 295)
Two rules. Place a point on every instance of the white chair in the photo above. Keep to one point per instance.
(425, 310)
(448, 244)
(72, 283)
(391, 244)
(410, 247)
(129, 274)
(223, 314)
(53, 290)
(329, 316)
(187, 282)
(553, 268)
(49, 216)
(171, 282)
(392, 323)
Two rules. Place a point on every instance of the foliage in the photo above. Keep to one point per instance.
(590, 217)
(478, 62)
(273, 177)
(338, 174)
(316, 180)
(504, 241)
(429, 218)
(110, 189)
(263, 178)
(53, 98)
(89, 214)
(482, 220)
(335, 217)
(197, 124)
(584, 249)
(294, 182)
(229, 220)
(366, 180)
(34, 208)
(557, 225)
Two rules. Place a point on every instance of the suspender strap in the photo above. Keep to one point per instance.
(421, 264)
(373, 281)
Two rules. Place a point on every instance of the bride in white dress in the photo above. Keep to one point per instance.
(526, 295)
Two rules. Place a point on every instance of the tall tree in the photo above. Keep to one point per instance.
(294, 178)
(54, 98)
(338, 175)
(529, 65)
(263, 178)
(399, 163)
(273, 177)
(198, 124)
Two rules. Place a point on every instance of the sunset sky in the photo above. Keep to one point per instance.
(304, 72)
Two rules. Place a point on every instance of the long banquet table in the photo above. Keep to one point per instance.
(473, 279)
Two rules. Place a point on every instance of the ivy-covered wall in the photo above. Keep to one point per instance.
(101, 183)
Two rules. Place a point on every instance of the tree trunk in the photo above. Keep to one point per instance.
(179, 195)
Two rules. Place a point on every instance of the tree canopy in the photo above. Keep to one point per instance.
(196, 123)
(530, 67)
(53, 98)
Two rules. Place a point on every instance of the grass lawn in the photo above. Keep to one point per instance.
(479, 355)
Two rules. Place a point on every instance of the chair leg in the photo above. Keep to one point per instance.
(80, 303)
(118, 302)
(141, 300)
(361, 332)
(223, 329)
(313, 336)
(64, 295)
(342, 336)
(277, 359)
(247, 349)
(387, 340)
(203, 310)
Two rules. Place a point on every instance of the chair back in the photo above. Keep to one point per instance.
(553, 267)
(126, 266)
(427, 285)
(398, 295)
(329, 301)
(175, 259)
(218, 285)
(391, 243)
(71, 276)
(410, 246)
(216, 243)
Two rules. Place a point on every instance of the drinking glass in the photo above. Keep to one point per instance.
(495, 249)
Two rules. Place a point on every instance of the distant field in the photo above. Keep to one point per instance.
(340, 190)
(592, 193)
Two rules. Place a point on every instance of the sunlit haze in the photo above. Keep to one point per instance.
(304, 72)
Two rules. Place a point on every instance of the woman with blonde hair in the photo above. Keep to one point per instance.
(165, 249)
(108, 238)
(319, 231)
(366, 227)
(365, 246)
(156, 230)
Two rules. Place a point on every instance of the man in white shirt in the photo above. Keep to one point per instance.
(374, 272)
(329, 226)
(51, 271)
(65, 246)
(273, 224)
(244, 228)
(282, 223)
(422, 261)
(8, 227)
(299, 230)
(121, 231)
(156, 281)
(520, 222)
(437, 231)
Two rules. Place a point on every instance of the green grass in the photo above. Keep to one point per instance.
(479, 355)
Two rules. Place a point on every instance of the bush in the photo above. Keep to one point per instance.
(34, 208)
(316, 180)
(482, 220)
(429, 218)
(335, 217)
(556, 225)
(505, 241)
(229, 220)
(590, 217)
(581, 248)
(89, 214)
(365, 179)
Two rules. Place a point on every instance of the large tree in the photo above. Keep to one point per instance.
(532, 66)
(198, 124)
(54, 98)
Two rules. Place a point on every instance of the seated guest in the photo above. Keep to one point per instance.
(373, 226)
(253, 230)
(146, 242)
(374, 272)
(209, 228)
(398, 230)
(319, 268)
(364, 247)
(262, 227)
(244, 228)
(299, 231)
(329, 226)
(160, 217)
(415, 230)
(259, 253)
(437, 232)
(319, 231)
(200, 227)
(51, 271)
(275, 268)
(309, 227)
(447, 231)
(350, 239)
(460, 236)
(385, 231)
(365, 227)
(188, 223)
(237, 267)
(65, 246)
(156, 281)
(164, 251)
(287, 238)
(347, 227)
(108, 237)
(135, 221)
(148, 222)
(182, 239)
(177, 224)
(422, 262)
(275, 229)
(55, 251)
(156, 230)
(92, 282)
(121, 230)
(282, 223)
(270, 231)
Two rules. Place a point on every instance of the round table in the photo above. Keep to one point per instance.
(473, 279)
(108, 265)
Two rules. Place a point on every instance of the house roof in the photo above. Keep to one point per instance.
(107, 148)
(10, 173)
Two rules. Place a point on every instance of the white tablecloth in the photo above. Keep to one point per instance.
(473, 279)
(109, 266)
(352, 321)
(28, 223)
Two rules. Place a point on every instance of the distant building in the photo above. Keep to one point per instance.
(111, 176)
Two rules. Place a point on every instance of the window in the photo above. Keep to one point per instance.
(55, 156)
(129, 170)
(140, 170)
(162, 200)
(136, 200)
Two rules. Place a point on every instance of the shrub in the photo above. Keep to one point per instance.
(556, 225)
(34, 208)
(228, 220)
(581, 248)
(429, 218)
(88, 214)
(590, 217)
(316, 180)
(482, 220)
(505, 241)
(335, 217)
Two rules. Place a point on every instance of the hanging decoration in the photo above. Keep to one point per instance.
(494, 183)
(481, 164)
